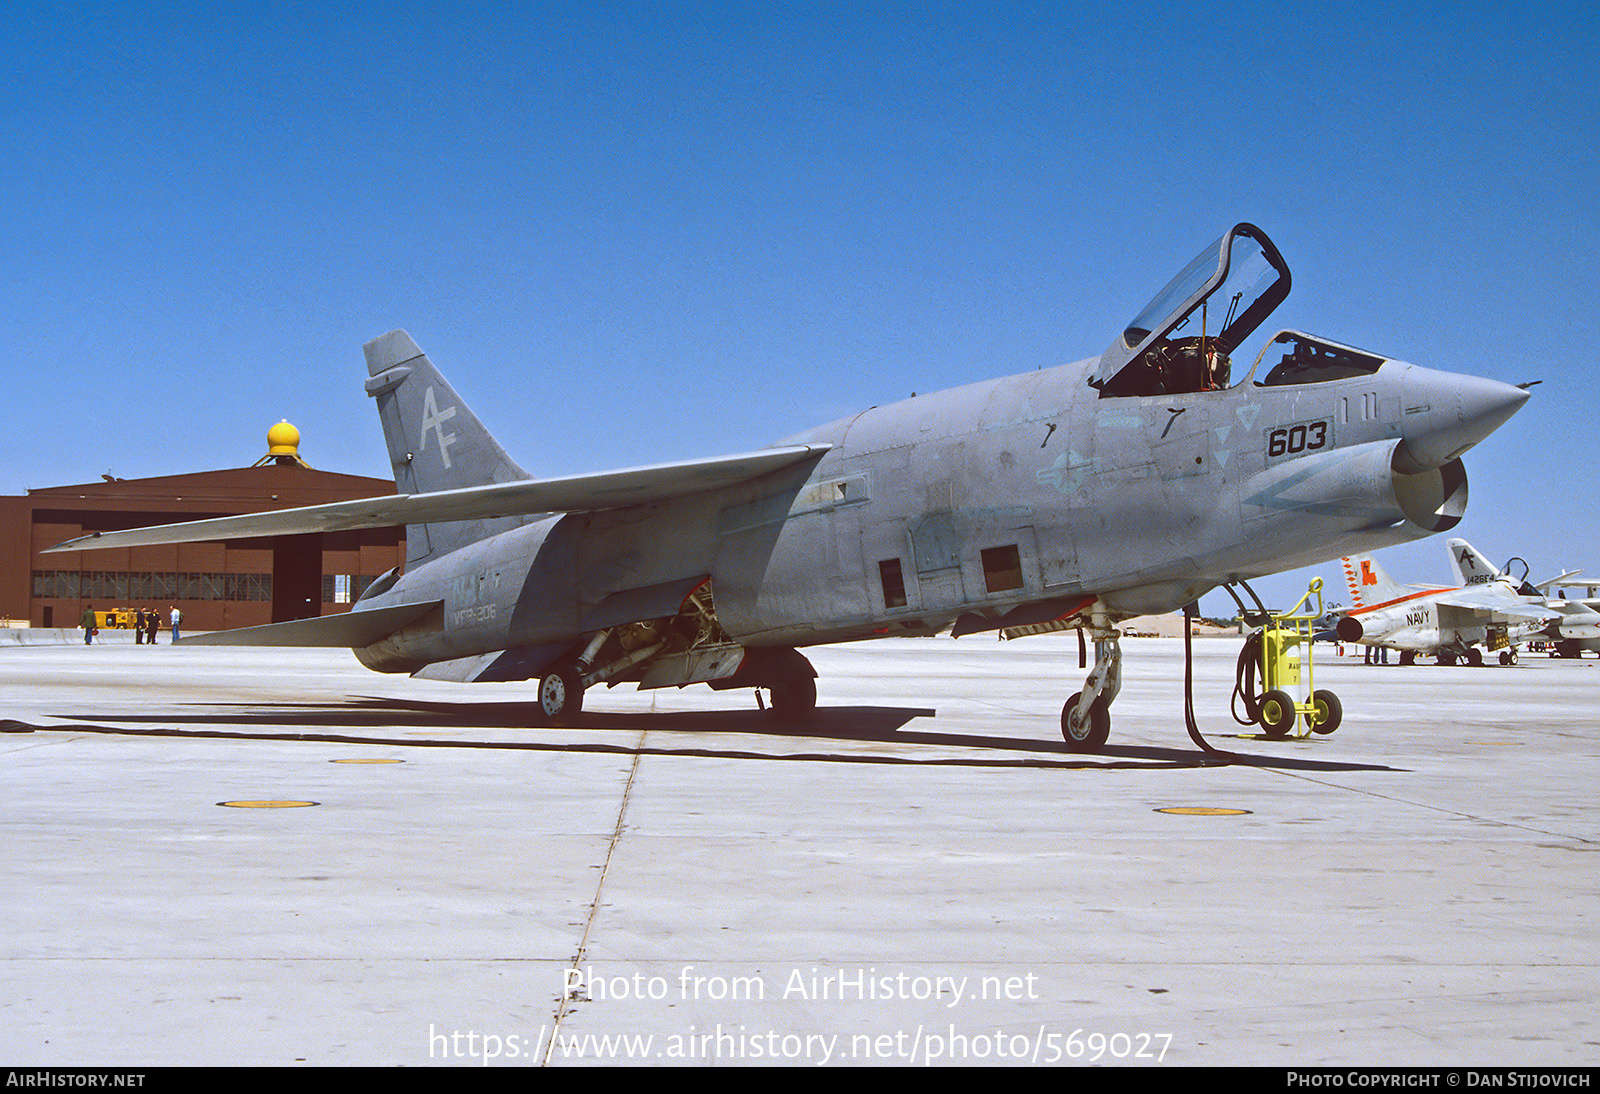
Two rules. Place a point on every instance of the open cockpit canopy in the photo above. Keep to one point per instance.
(1182, 339)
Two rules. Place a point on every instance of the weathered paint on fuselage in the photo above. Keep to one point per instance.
(1144, 502)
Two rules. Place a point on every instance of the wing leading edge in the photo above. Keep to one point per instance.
(1484, 606)
(571, 494)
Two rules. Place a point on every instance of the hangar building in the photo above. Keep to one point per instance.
(221, 585)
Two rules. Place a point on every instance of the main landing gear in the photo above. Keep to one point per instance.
(785, 674)
(560, 695)
(1086, 717)
(790, 681)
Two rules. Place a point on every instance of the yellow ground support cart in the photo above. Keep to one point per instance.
(1282, 649)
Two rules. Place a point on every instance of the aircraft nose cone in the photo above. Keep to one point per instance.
(1445, 414)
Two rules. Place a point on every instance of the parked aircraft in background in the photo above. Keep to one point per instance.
(1574, 647)
(1489, 609)
(1578, 627)
(1070, 497)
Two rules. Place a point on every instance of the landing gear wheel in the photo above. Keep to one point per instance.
(1408, 657)
(1092, 735)
(795, 697)
(792, 683)
(560, 695)
(1327, 712)
(1277, 713)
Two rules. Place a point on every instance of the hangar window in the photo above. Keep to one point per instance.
(1002, 569)
(894, 583)
(122, 587)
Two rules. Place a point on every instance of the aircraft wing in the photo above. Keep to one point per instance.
(1486, 607)
(572, 494)
(1561, 581)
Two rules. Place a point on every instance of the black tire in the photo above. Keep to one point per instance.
(1095, 734)
(1277, 713)
(795, 697)
(560, 696)
(1507, 657)
(1475, 657)
(1327, 713)
(792, 683)
(1408, 657)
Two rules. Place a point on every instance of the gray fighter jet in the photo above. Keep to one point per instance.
(1070, 497)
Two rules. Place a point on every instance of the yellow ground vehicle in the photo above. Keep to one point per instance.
(1281, 648)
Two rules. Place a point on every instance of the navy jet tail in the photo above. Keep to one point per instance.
(1370, 584)
(435, 442)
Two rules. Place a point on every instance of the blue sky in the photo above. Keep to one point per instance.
(635, 233)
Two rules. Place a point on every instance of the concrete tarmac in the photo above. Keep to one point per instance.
(921, 873)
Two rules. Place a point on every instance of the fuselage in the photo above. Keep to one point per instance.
(968, 503)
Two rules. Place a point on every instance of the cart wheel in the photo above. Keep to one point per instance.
(1328, 713)
(1277, 713)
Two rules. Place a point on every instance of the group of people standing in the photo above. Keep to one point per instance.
(146, 622)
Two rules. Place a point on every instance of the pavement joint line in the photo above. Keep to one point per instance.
(1430, 808)
(564, 1008)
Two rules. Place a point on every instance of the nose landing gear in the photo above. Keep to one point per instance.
(1086, 717)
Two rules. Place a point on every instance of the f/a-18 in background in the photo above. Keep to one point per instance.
(1488, 608)
(1070, 497)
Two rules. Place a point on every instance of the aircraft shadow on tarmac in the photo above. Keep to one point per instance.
(864, 724)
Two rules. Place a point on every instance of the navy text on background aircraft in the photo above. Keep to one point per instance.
(1069, 497)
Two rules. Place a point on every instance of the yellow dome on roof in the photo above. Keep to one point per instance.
(283, 439)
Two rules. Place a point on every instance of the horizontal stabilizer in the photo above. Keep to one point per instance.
(348, 630)
(572, 494)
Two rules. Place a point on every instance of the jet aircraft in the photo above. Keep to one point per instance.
(1489, 609)
(1075, 496)
(1574, 647)
(1578, 627)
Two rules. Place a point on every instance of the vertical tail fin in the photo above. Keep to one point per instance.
(435, 442)
(1369, 583)
(1470, 566)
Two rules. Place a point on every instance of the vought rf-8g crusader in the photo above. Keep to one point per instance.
(1070, 497)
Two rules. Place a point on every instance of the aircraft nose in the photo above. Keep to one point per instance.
(1445, 414)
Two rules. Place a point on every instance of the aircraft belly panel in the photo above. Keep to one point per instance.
(696, 666)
